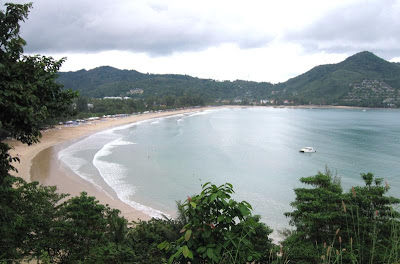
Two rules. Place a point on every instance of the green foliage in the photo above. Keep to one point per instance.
(29, 95)
(144, 237)
(27, 216)
(108, 81)
(35, 224)
(127, 106)
(317, 216)
(372, 223)
(111, 253)
(328, 84)
(84, 223)
(218, 229)
(360, 226)
(82, 104)
(325, 84)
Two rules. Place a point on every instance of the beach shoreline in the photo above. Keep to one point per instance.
(52, 172)
(49, 171)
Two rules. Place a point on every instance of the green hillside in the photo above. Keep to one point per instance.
(108, 81)
(361, 80)
(332, 84)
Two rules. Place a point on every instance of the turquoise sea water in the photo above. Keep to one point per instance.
(154, 163)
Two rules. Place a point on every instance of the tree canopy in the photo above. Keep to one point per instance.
(29, 95)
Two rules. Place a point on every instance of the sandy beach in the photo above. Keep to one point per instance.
(48, 170)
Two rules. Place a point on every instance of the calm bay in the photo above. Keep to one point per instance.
(152, 164)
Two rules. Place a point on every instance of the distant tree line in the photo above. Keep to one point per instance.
(84, 106)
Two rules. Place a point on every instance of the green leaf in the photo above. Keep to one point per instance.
(210, 253)
(190, 255)
(188, 234)
(171, 259)
(185, 251)
(201, 249)
(162, 245)
(215, 258)
(193, 204)
(244, 210)
(220, 218)
(213, 196)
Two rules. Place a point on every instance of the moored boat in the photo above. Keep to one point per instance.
(307, 150)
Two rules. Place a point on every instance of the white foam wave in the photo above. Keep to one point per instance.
(75, 164)
(203, 112)
(106, 150)
(114, 175)
(198, 113)
(68, 156)
(112, 130)
(111, 173)
(155, 122)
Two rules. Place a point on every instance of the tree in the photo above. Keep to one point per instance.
(360, 226)
(29, 96)
(144, 237)
(218, 229)
(372, 223)
(82, 104)
(27, 226)
(86, 224)
(317, 217)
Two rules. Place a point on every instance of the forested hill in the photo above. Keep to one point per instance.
(362, 79)
(108, 81)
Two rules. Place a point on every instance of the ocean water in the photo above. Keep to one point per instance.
(154, 163)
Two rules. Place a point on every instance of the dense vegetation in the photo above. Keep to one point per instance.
(38, 223)
(328, 84)
(359, 226)
(85, 107)
(325, 84)
(108, 81)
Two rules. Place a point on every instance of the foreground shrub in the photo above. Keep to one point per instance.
(217, 230)
(144, 237)
(360, 226)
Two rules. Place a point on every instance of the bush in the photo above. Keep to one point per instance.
(218, 229)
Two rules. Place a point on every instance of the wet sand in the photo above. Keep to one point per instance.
(49, 171)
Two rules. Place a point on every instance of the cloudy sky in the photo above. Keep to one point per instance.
(224, 40)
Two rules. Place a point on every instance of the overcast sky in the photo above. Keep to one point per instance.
(224, 40)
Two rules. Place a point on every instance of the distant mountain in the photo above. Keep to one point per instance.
(108, 81)
(334, 83)
(362, 79)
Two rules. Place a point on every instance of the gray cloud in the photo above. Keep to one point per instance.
(365, 25)
(153, 28)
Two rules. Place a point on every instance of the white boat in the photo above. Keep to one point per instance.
(308, 150)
